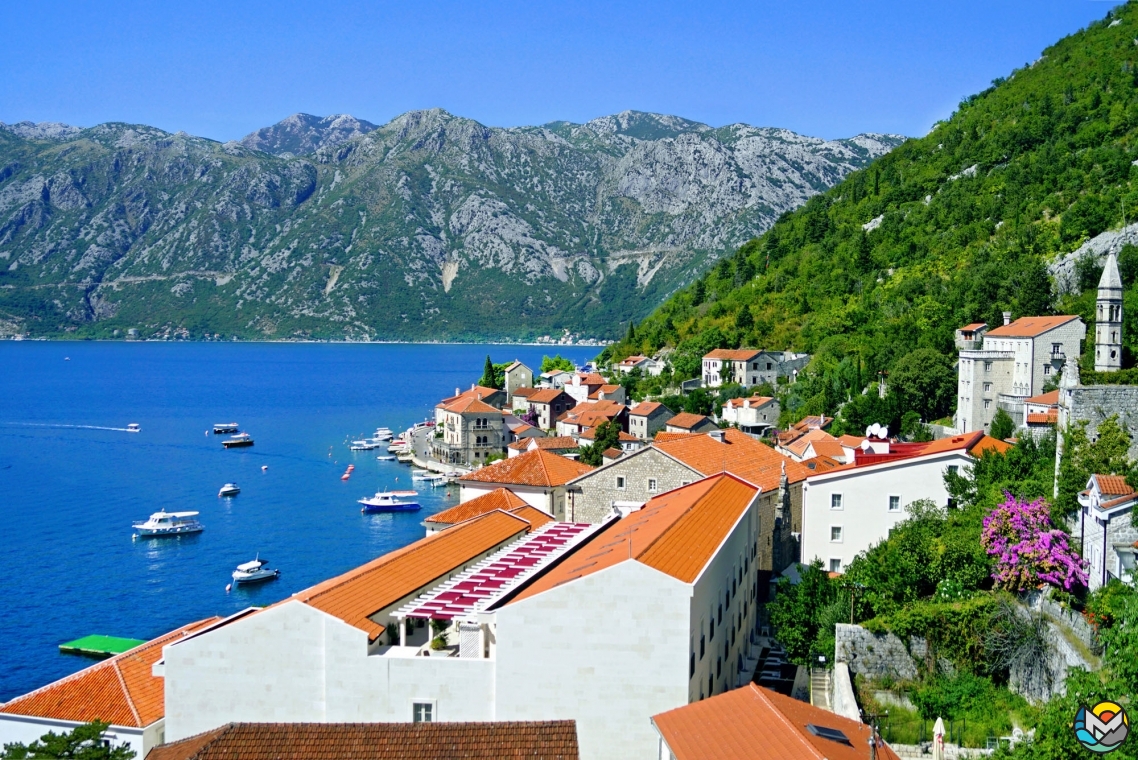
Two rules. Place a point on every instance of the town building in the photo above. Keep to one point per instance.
(802, 427)
(749, 367)
(515, 430)
(604, 624)
(816, 442)
(555, 378)
(1108, 318)
(492, 396)
(549, 404)
(686, 422)
(1107, 537)
(590, 414)
(758, 723)
(537, 476)
(517, 375)
(755, 416)
(848, 509)
(609, 392)
(971, 337)
(627, 442)
(500, 499)
(582, 385)
(468, 431)
(647, 365)
(425, 739)
(122, 691)
(1014, 362)
(561, 444)
(1041, 412)
(519, 401)
(648, 418)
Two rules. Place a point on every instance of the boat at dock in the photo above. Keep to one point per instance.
(387, 501)
(168, 524)
(238, 441)
(421, 474)
(386, 457)
(225, 427)
(229, 489)
(255, 571)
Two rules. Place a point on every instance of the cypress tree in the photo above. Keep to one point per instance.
(487, 380)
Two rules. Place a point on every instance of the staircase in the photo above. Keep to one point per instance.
(820, 688)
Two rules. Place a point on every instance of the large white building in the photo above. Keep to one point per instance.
(848, 509)
(603, 624)
(1013, 362)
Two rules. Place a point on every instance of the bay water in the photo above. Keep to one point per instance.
(72, 480)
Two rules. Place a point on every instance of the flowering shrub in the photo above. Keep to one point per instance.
(1028, 549)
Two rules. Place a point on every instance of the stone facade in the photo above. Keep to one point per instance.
(626, 481)
(1095, 403)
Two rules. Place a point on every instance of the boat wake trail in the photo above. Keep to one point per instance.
(64, 427)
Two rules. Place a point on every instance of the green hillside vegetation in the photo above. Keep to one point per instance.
(951, 228)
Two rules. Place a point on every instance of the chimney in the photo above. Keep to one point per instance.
(457, 392)
(1007, 317)
(473, 386)
(716, 435)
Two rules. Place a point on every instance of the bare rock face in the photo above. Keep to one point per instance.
(430, 226)
(304, 133)
(44, 130)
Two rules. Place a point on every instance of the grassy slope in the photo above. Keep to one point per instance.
(1051, 148)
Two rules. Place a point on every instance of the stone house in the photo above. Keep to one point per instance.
(1107, 537)
(468, 431)
(539, 477)
(686, 422)
(590, 414)
(755, 416)
(549, 404)
(563, 445)
(582, 385)
(749, 366)
(519, 401)
(517, 375)
(647, 365)
(648, 418)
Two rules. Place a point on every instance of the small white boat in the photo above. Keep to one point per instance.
(229, 489)
(421, 475)
(134, 427)
(251, 572)
(386, 457)
(387, 501)
(168, 524)
(362, 446)
(383, 434)
(238, 441)
(225, 427)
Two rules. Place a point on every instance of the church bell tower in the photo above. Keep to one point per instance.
(1108, 319)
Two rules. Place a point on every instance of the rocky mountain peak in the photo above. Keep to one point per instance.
(303, 133)
(44, 130)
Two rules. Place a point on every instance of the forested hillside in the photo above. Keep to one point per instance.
(948, 229)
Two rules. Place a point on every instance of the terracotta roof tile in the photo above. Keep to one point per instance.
(645, 408)
(121, 690)
(821, 463)
(357, 594)
(1113, 485)
(817, 435)
(633, 360)
(534, 516)
(499, 498)
(1051, 398)
(478, 391)
(1030, 327)
(1045, 418)
(832, 449)
(735, 355)
(470, 404)
(664, 436)
(753, 722)
(677, 533)
(851, 441)
(556, 443)
(973, 327)
(612, 453)
(592, 378)
(526, 392)
(756, 401)
(536, 740)
(739, 454)
(687, 420)
(546, 396)
(533, 468)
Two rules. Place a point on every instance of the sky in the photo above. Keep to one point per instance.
(223, 69)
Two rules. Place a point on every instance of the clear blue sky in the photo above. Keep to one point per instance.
(222, 69)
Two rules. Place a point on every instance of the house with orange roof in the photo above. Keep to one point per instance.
(498, 499)
(627, 442)
(122, 691)
(519, 400)
(609, 392)
(971, 336)
(548, 404)
(755, 415)
(468, 431)
(1013, 363)
(648, 366)
(754, 722)
(686, 422)
(558, 444)
(673, 461)
(647, 418)
(537, 476)
(584, 384)
(589, 414)
(816, 442)
(749, 367)
(1041, 411)
(492, 396)
(849, 508)
(516, 376)
(1105, 530)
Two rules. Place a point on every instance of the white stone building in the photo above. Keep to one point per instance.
(754, 416)
(1108, 319)
(1106, 535)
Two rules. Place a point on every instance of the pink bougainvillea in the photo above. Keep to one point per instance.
(1028, 550)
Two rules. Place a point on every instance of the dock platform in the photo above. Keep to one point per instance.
(99, 647)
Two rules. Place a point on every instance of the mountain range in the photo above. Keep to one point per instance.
(431, 226)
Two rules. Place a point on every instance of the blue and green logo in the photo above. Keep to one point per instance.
(1103, 728)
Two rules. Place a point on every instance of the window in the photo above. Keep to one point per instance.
(894, 503)
(721, 614)
(987, 387)
(987, 366)
(685, 483)
(702, 645)
(954, 469)
(422, 712)
(691, 665)
(835, 532)
(835, 501)
(1047, 369)
(1056, 349)
(620, 482)
(835, 565)
(651, 485)
(987, 403)
(712, 634)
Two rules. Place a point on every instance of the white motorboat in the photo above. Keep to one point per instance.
(225, 427)
(251, 572)
(383, 434)
(229, 489)
(238, 441)
(421, 475)
(387, 501)
(386, 457)
(134, 427)
(168, 524)
(363, 446)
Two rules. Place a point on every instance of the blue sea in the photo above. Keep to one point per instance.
(72, 480)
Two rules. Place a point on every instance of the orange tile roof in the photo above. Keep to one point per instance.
(357, 594)
(1029, 327)
(753, 722)
(592, 379)
(973, 327)
(664, 436)
(378, 741)
(974, 443)
(552, 443)
(676, 533)
(533, 468)
(1113, 485)
(832, 449)
(1043, 418)
(526, 392)
(634, 359)
(645, 408)
(471, 404)
(534, 516)
(851, 441)
(546, 396)
(687, 420)
(121, 691)
(1051, 398)
(739, 355)
(816, 435)
(478, 391)
(813, 421)
(612, 453)
(821, 463)
(755, 401)
(739, 454)
(590, 433)
(499, 498)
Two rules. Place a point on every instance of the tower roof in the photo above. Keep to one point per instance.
(1110, 280)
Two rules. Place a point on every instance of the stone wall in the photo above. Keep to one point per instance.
(593, 494)
(1095, 403)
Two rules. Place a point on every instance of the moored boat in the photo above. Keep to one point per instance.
(225, 427)
(168, 524)
(385, 501)
(229, 489)
(252, 572)
(238, 441)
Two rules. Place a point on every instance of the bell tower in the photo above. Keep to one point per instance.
(1108, 319)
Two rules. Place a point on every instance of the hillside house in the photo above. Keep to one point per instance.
(749, 367)
(537, 476)
(755, 416)
(647, 365)
(582, 385)
(686, 422)
(648, 418)
(549, 404)
(590, 414)
(1107, 537)
(468, 431)
(517, 375)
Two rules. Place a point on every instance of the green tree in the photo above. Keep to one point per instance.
(1107, 455)
(796, 610)
(558, 362)
(607, 437)
(487, 379)
(925, 382)
(82, 743)
(1003, 426)
(744, 321)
